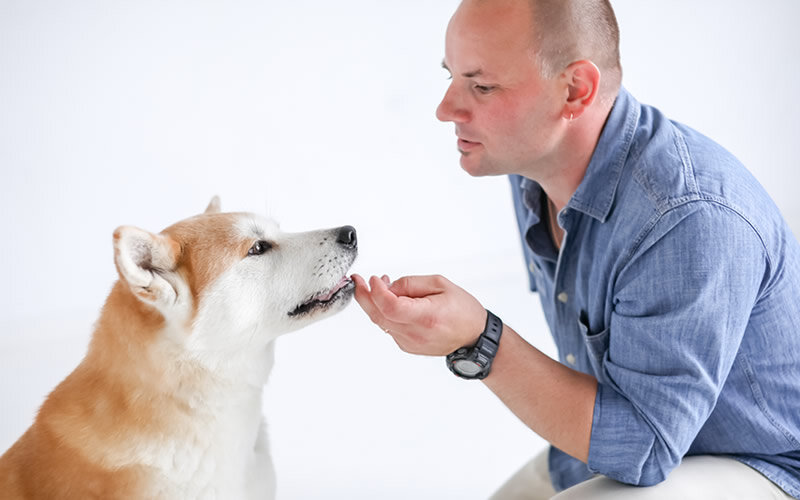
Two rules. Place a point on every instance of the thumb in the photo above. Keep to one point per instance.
(418, 286)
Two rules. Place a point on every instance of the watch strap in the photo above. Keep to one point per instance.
(482, 353)
(490, 338)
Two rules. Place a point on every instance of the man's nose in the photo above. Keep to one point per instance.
(450, 110)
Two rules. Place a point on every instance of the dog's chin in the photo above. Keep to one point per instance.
(328, 301)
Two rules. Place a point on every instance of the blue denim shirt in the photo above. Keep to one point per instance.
(678, 287)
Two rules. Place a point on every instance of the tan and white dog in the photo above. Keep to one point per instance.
(167, 401)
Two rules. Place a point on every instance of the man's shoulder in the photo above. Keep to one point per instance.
(674, 173)
(671, 164)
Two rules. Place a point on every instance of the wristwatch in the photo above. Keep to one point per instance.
(475, 362)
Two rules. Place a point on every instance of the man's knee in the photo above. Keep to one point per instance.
(531, 482)
(599, 488)
(698, 477)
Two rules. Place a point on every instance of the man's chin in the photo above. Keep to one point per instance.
(472, 164)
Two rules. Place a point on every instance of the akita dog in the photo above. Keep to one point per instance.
(167, 401)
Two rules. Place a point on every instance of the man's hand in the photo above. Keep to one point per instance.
(424, 314)
(430, 315)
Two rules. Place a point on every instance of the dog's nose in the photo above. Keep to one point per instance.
(346, 236)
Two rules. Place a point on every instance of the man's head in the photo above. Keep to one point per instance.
(524, 74)
(566, 31)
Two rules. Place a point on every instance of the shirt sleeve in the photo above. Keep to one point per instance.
(680, 307)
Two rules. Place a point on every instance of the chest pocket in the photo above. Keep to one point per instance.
(596, 347)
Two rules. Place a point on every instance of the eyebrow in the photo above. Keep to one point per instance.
(257, 232)
(469, 74)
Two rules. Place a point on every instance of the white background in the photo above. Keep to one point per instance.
(321, 114)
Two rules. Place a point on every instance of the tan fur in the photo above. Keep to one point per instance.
(89, 411)
(167, 402)
(193, 236)
(123, 388)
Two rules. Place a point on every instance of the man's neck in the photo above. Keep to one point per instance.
(551, 215)
(566, 168)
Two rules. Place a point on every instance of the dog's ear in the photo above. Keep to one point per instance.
(143, 259)
(214, 206)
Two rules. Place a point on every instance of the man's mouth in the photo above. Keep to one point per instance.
(343, 289)
(466, 146)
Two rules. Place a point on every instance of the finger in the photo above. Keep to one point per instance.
(385, 279)
(402, 310)
(364, 299)
(375, 282)
(359, 281)
(396, 330)
(418, 286)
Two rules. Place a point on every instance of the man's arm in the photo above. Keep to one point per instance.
(552, 399)
(431, 316)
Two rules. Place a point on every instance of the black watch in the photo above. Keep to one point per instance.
(476, 362)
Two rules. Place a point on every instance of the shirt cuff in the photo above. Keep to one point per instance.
(623, 446)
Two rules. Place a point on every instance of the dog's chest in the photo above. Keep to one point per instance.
(223, 457)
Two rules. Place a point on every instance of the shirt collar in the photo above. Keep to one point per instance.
(595, 193)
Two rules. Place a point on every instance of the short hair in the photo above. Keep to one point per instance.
(566, 31)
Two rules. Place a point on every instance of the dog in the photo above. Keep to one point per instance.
(167, 401)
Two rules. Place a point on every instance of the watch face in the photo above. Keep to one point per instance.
(467, 367)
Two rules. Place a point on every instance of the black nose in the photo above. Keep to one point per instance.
(346, 235)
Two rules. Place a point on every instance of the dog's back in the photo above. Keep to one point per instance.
(167, 402)
(67, 451)
(45, 464)
(37, 467)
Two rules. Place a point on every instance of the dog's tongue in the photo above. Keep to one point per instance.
(341, 284)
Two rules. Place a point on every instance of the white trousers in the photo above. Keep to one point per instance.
(702, 477)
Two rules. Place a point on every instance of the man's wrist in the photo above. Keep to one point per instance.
(475, 362)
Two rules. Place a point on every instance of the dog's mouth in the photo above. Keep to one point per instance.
(343, 289)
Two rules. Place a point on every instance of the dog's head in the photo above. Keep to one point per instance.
(235, 280)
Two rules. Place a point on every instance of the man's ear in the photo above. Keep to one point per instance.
(583, 84)
(214, 206)
(142, 260)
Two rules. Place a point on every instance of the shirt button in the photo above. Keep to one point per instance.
(563, 297)
(532, 267)
(571, 359)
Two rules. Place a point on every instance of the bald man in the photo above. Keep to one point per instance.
(669, 280)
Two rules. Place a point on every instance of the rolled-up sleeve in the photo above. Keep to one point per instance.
(681, 303)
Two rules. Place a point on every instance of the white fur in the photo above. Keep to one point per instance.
(230, 345)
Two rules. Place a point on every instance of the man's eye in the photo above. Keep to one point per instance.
(259, 247)
(484, 89)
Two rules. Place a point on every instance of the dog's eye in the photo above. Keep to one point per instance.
(259, 247)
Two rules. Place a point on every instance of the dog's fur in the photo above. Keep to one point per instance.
(167, 401)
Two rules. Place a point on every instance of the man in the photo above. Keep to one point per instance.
(668, 278)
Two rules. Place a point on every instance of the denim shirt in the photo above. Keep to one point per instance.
(678, 287)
